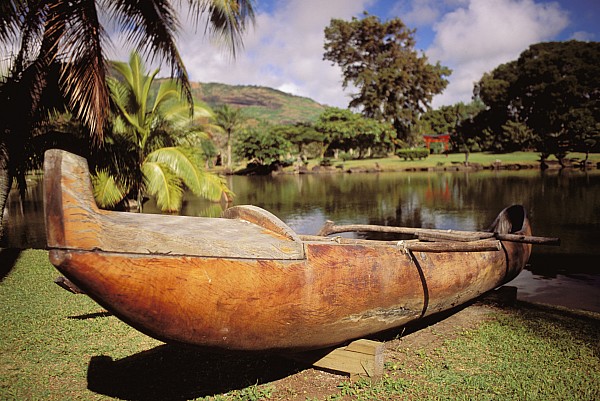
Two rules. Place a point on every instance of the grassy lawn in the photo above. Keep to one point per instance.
(435, 160)
(55, 345)
(395, 163)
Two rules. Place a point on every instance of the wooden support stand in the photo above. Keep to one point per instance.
(359, 358)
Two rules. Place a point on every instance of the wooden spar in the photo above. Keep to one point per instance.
(528, 239)
(435, 234)
(474, 246)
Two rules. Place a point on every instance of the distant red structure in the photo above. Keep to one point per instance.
(443, 138)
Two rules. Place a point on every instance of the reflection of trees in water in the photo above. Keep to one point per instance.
(567, 203)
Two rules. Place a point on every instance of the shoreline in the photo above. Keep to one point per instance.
(434, 163)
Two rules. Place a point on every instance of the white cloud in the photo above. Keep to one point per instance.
(582, 36)
(475, 39)
(285, 51)
(418, 13)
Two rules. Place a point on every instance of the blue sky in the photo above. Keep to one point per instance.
(285, 49)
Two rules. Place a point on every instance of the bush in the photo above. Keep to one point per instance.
(345, 156)
(413, 153)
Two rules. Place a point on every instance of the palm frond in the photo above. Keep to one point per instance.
(28, 20)
(124, 70)
(151, 25)
(162, 183)
(81, 38)
(187, 166)
(227, 19)
(11, 18)
(121, 98)
(168, 90)
(107, 191)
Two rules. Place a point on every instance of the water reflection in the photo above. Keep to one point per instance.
(563, 204)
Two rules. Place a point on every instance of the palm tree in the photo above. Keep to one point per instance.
(59, 59)
(229, 120)
(144, 127)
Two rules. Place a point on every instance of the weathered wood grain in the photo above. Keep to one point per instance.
(74, 222)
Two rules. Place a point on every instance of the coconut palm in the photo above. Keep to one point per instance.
(157, 162)
(57, 49)
(229, 120)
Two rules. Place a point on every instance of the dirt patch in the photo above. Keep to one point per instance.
(424, 337)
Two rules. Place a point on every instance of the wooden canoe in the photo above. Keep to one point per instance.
(248, 282)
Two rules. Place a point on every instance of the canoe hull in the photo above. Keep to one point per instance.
(338, 293)
(247, 281)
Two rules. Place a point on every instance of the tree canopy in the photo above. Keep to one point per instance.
(344, 130)
(263, 146)
(395, 83)
(57, 55)
(549, 97)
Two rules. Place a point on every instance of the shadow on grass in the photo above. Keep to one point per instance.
(8, 258)
(178, 372)
(544, 320)
(171, 372)
(94, 315)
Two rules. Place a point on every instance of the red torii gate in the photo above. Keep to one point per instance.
(443, 138)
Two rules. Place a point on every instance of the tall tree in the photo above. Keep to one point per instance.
(344, 130)
(229, 120)
(155, 162)
(263, 146)
(301, 135)
(60, 55)
(456, 120)
(553, 88)
(395, 83)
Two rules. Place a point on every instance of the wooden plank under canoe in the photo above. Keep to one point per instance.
(248, 282)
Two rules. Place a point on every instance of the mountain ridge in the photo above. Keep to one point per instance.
(260, 103)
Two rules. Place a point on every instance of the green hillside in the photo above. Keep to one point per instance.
(260, 103)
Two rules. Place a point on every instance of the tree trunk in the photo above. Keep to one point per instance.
(543, 157)
(229, 163)
(5, 182)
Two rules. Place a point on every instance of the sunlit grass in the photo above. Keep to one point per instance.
(46, 341)
(450, 160)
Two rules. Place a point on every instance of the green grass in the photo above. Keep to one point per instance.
(395, 163)
(55, 346)
(531, 353)
(48, 335)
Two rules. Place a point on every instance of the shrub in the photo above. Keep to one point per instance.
(413, 153)
(345, 156)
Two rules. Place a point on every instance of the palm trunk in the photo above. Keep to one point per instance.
(229, 162)
(5, 183)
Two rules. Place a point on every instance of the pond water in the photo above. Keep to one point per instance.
(563, 204)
